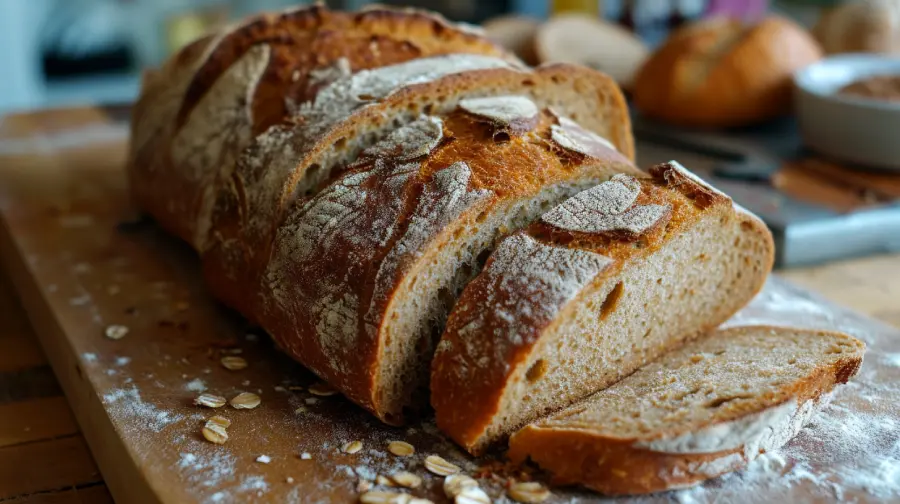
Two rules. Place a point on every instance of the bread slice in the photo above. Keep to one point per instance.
(604, 283)
(516, 33)
(590, 41)
(705, 409)
(250, 77)
(362, 275)
(290, 163)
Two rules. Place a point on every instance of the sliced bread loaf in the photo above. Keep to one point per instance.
(705, 409)
(288, 163)
(362, 275)
(604, 283)
(196, 115)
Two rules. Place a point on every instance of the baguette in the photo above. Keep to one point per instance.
(200, 110)
(603, 284)
(362, 275)
(699, 412)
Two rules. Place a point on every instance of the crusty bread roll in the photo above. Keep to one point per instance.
(699, 412)
(593, 42)
(602, 284)
(721, 73)
(860, 26)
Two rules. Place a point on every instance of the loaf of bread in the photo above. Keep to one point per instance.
(722, 73)
(699, 412)
(343, 175)
(602, 284)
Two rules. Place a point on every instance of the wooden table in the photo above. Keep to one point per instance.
(44, 459)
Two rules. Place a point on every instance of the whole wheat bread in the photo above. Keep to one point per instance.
(604, 283)
(703, 410)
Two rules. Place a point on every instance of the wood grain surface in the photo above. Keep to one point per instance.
(81, 261)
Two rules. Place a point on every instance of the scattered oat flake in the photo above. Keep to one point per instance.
(379, 497)
(301, 410)
(210, 401)
(439, 466)
(322, 389)
(116, 332)
(352, 447)
(245, 400)
(233, 363)
(295, 388)
(472, 495)
(401, 448)
(264, 459)
(363, 486)
(214, 430)
(407, 479)
(279, 388)
(311, 400)
(456, 483)
(289, 480)
(305, 456)
(384, 481)
(420, 500)
(529, 492)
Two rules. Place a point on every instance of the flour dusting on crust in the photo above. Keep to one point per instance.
(517, 114)
(606, 207)
(414, 140)
(568, 134)
(217, 129)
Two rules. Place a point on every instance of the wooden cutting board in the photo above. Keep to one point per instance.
(81, 262)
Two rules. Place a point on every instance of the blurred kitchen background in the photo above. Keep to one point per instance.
(67, 52)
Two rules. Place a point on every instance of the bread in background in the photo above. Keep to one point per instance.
(516, 34)
(722, 73)
(860, 26)
(577, 38)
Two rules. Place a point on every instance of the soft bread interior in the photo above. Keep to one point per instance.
(718, 379)
(417, 316)
(620, 322)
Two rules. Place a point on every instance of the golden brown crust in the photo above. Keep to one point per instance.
(617, 466)
(296, 43)
(399, 213)
(719, 73)
(241, 250)
(687, 198)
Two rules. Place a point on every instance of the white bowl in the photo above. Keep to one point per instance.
(862, 131)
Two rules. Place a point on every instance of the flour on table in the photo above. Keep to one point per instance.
(195, 385)
(127, 403)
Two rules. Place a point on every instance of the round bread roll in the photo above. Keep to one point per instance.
(722, 73)
(516, 34)
(577, 38)
(861, 26)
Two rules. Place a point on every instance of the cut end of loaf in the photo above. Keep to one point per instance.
(698, 412)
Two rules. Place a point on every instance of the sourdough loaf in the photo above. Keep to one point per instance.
(362, 275)
(602, 284)
(722, 73)
(292, 162)
(198, 112)
(701, 411)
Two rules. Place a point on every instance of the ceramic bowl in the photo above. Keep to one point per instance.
(861, 131)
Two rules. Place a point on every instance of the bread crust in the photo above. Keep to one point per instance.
(484, 385)
(241, 247)
(623, 466)
(719, 73)
(176, 189)
(392, 216)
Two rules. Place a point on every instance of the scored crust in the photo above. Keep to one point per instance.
(553, 342)
(391, 242)
(249, 77)
(628, 439)
(287, 164)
